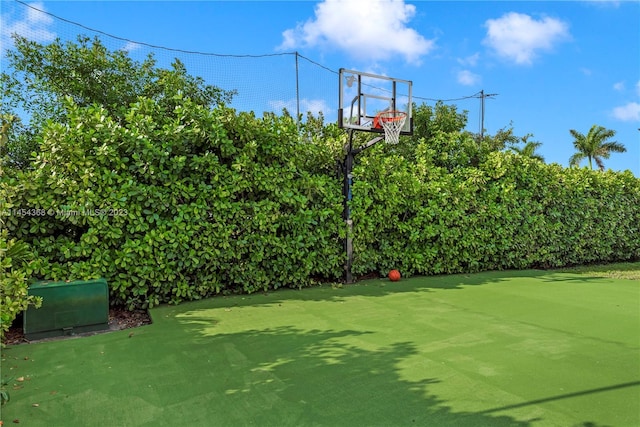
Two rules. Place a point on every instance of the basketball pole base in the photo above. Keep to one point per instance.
(349, 248)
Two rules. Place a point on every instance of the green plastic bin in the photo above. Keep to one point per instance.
(68, 308)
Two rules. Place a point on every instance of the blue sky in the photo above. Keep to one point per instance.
(554, 66)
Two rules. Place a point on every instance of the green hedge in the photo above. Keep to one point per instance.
(14, 297)
(510, 212)
(183, 203)
(177, 205)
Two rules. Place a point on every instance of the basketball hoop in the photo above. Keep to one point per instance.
(392, 123)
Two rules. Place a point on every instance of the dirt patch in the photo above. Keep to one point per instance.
(119, 319)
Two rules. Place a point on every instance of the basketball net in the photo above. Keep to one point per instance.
(392, 123)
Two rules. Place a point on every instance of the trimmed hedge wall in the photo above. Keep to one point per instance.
(510, 212)
(181, 204)
(177, 205)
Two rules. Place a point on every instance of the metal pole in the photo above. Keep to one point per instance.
(482, 98)
(347, 196)
(297, 96)
(481, 114)
(346, 191)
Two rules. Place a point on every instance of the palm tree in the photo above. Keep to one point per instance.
(529, 148)
(594, 146)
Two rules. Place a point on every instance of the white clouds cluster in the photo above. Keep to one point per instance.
(366, 30)
(467, 78)
(34, 25)
(519, 38)
(630, 112)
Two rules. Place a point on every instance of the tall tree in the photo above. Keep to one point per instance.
(528, 149)
(37, 79)
(594, 146)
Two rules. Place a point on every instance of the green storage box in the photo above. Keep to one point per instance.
(68, 308)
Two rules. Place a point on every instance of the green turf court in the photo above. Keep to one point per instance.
(527, 348)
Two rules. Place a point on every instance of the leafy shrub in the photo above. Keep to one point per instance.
(14, 297)
(510, 212)
(177, 205)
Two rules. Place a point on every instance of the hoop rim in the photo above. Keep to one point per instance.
(392, 115)
(392, 122)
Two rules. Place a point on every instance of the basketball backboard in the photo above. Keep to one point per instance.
(363, 96)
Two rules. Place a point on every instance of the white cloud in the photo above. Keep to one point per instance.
(33, 24)
(36, 17)
(471, 60)
(131, 46)
(627, 113)
(468, 78)
(619, 86)
(519, 38)
(313, 105)
(364, 29)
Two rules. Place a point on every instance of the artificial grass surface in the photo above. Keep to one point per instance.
(492, 349)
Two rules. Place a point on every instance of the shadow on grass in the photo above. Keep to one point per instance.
(563, 396)
(289, 376)
(591, 424)
(384, 287)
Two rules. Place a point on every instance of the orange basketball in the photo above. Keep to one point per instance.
(394, 275)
